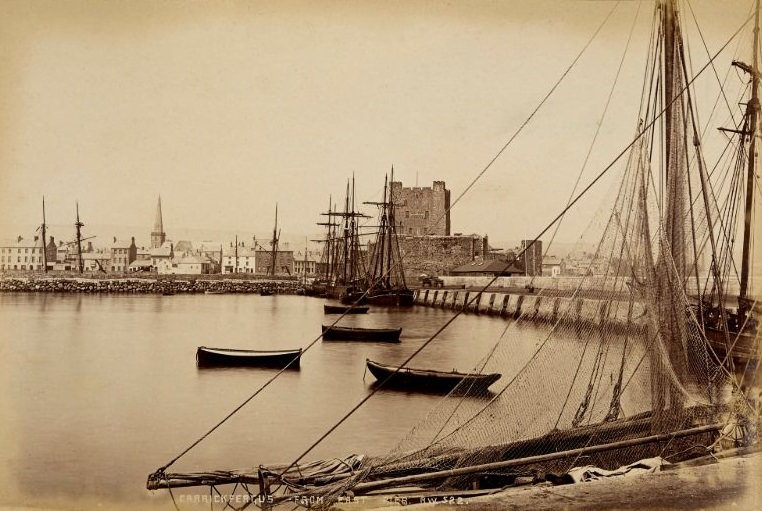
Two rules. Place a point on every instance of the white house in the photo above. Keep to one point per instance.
(187, 265)
(22, 254)
(161, 258)
(239, 259)
(553, 266)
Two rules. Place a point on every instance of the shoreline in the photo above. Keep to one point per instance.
(154, 284)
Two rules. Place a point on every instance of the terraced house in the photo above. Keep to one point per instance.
(122, 254)
(22, 254)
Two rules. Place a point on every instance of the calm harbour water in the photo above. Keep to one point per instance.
(99, 391)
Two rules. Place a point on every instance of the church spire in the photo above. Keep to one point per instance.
(158, 236)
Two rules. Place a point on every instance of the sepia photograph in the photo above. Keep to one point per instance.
(432, 254)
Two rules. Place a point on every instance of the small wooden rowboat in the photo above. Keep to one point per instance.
(330, 308)
(426, 380)
(227, 357)
(344, 333)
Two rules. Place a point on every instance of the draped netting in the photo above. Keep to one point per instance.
(620, 368)
(612, 369)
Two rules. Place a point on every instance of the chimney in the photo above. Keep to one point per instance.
(89, 246)
(114, 239)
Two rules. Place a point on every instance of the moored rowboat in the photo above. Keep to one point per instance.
(228, 357)
(429, 380)
(329, 308)
(361, 334)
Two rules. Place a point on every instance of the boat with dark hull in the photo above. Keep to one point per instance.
(386, 284)
(228, 357)
(332, 308)
(392, 298)
(343, 260)
(345, 333)
(660, 392)
(427, 380)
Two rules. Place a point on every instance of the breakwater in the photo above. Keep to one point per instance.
(568, 311)
(146, 286)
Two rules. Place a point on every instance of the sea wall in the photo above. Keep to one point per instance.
(556, 284)
(145, 286)
(577, 312)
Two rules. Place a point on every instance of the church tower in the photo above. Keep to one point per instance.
(158, 236)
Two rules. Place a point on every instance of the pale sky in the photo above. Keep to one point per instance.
(225, 108)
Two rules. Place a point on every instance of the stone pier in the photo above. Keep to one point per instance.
(615, 314)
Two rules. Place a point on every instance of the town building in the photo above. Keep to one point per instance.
(531, 257)
(239, 259)
(141, 266)
(161, 257)
(306, 263)
(284, 262)
(22, 254)
(187, 265)
(95, 262)
(553, 266)
(123, 253)
(212, 250)
(51, 252)
(421, 211)
(143, 254)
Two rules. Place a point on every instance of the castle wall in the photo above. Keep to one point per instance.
(422, 210)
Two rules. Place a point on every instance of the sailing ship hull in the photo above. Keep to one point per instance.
(227, 357)
(339, 333)
(351, 297)
(425, 380)
(392, 298)
(345, 309)
(744, 347)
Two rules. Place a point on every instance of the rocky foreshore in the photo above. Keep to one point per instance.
(146, 286)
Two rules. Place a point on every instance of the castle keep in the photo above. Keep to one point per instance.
(422, 211)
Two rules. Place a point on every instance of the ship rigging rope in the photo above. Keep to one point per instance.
(599, 125)
(714, 69)
(569, 206)
(457, 199)
(161, 470)
(534, 112)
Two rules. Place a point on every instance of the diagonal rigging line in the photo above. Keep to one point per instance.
(534, 112)
(444, 326)
(714, 69)
(644, 130)
(599, 125)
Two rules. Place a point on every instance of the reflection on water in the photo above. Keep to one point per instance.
(98, 391)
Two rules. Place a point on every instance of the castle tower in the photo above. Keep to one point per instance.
(422, 211)
(158, 236)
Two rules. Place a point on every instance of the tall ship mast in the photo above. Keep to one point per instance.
(274, 244)
(345, 264)
(78, 225)
(624, 366)
(386, 276)
(43, 229)
(733, 334)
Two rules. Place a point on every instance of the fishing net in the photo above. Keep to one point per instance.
(616, 365)
(621, 368)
